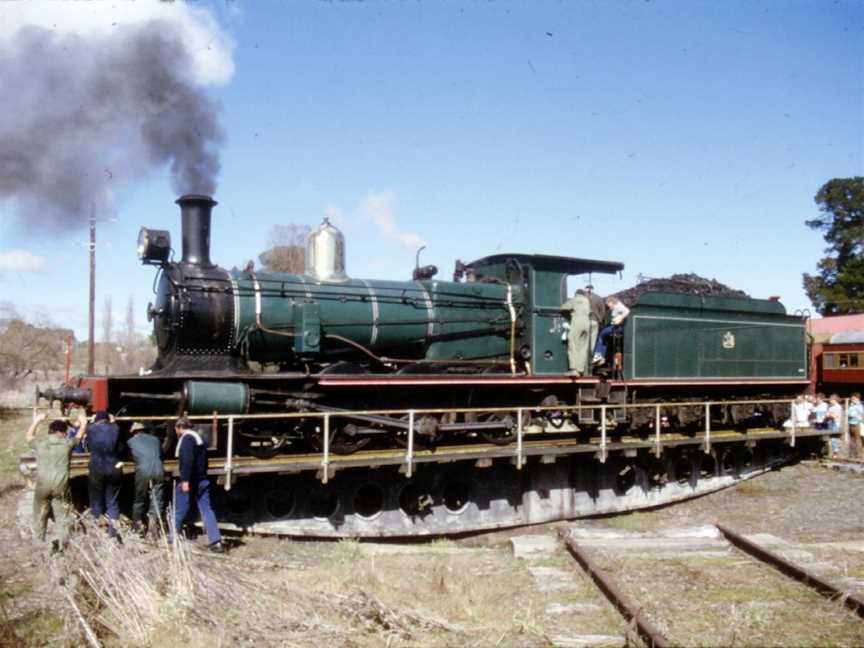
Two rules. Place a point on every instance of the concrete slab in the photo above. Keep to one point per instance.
(846, 545)
(766, 539)
(797, 556)
(649, 544)
(391, 549)
(856, 584)
(703, 531)
(582, 641)
(532, 547)
(825, 568)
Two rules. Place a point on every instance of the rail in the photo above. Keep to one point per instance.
(649, 630)
(822, 585)
(633, 613)
(601, 449)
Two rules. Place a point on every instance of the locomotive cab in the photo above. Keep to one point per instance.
(543, 278)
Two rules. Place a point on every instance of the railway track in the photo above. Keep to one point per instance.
(751, 566)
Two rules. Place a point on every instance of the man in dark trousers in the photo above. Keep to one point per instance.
(51, 496)
(194, 485)
(146, 450)
(105, 474)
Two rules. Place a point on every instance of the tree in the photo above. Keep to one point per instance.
(839, 286)
(27, 348)
(287, 252)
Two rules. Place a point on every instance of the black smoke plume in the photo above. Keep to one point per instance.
(82, 117)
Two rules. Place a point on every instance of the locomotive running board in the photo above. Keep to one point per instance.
(490, 379)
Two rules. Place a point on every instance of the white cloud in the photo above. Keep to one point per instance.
(210, 46)
(381, 208)
(20, 261)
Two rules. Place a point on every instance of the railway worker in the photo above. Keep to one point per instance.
(105, 470)
(146, 450)
(598, 312)
(618, 312)
(854, 416)
(578, 337)
(193, 485)
(52, 477)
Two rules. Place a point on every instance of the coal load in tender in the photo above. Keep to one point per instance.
(690, 283)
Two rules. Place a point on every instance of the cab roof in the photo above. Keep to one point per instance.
(548, 262)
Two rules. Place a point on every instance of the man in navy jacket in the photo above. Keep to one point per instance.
(194, 485)
(105, 476)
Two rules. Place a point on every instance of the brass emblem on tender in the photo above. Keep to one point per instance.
(728, 340)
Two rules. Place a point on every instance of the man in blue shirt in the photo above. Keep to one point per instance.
(194, 485)
(104, 470)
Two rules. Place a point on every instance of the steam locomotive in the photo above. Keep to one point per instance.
(243, 341)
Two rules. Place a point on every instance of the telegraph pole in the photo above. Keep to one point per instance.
(90, 341)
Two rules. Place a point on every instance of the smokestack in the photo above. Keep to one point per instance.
(195, 212)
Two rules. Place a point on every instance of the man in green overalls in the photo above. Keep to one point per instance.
(52, 475)
(579, 308)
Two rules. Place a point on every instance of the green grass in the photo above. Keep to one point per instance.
(347, 551)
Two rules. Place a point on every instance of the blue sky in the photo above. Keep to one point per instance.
(671, 136)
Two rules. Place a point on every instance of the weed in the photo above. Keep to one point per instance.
(347, 551)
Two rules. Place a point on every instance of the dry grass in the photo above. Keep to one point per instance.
(139, 594)
(267, 592)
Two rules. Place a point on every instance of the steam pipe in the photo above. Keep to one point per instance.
(195, 212)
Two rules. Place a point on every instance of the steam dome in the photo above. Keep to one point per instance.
(325, 254)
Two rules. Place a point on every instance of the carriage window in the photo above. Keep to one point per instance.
(853, 359)
(844, 360)
(828, 361)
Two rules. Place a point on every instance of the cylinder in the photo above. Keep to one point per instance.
(203, 397)
(195, 212)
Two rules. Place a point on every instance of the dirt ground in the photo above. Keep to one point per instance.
(468, 591)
